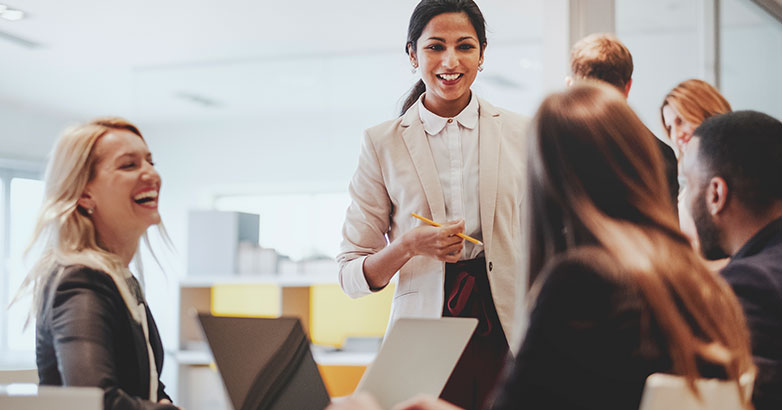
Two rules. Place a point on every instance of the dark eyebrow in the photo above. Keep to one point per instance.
(460, 39)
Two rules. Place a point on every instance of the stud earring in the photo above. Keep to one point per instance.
(90, 211)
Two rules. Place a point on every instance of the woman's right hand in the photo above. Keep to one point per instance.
(437, 242)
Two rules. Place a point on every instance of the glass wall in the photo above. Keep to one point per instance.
(667, 41)
(19, 207)
(751, 57)
(25, 199)
(664, 40)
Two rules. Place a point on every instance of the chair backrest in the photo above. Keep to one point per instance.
(665, 391)
(19, 376)
(33, 397)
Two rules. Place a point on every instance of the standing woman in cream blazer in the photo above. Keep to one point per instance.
(458, 160)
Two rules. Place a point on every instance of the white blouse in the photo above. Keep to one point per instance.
(454, 146)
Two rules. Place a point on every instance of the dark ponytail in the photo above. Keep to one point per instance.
(415, 93)
(427, 10)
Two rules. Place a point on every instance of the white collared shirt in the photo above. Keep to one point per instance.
(455, 148)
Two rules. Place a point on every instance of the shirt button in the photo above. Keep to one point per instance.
(450, 120)
(490, 266)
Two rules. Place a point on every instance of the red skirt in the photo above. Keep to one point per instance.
(467, 294)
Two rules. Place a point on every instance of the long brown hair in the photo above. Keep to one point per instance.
(596, 178)
(695, 100)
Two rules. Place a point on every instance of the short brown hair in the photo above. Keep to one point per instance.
(602, 57)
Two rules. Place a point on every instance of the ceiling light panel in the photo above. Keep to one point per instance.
(10, 14)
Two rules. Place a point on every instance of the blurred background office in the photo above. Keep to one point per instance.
(243, 102)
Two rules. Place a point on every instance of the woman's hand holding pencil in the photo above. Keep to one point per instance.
(442, 242)
(461, 235)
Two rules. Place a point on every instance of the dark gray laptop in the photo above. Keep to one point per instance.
(266, 364)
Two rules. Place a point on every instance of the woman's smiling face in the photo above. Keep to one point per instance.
(123, 191)
(448, 54)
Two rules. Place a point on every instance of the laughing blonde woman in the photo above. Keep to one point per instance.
(93, 325)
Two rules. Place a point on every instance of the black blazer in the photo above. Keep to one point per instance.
(591, 341)
(85, 336)
(755, 274)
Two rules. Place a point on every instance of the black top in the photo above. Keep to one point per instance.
(85, 336)
(755, 274)
(671, 172)
(591, 341)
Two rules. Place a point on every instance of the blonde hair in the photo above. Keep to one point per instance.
(695, 100)
(596, 179)
(64, 229)
(602, 57)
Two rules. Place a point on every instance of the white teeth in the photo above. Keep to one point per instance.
(147, 194)
(449, 77)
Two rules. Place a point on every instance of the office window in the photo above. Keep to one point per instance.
(664, 40)
(301, 225)
(25, 199)
(19, 207)
(751, 59)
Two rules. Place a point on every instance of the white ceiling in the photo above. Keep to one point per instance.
(176, 59)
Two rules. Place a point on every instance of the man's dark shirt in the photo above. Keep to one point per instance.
(755, 274)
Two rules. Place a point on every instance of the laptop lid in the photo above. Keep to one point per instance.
(265, 363)
(417, 356)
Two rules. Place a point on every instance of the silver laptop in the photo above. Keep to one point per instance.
(417, 357)
(34, 397)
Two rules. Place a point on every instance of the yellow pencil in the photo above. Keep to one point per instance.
(461, 235)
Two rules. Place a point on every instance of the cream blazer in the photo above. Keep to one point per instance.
(396, 175)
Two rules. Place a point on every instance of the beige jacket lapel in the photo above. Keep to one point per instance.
(414, 137)
(489, 128)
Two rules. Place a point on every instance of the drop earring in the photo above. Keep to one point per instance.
(414, 69)
(480, 67)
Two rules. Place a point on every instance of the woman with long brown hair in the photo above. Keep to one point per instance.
(618, 292)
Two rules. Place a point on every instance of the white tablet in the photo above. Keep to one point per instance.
(417, 357)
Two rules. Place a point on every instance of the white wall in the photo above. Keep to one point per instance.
(27, 132)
